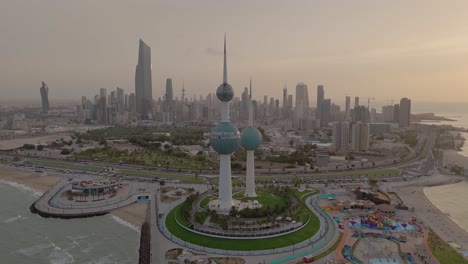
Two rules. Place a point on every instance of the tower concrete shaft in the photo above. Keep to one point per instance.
(225, 185)
(250, 175)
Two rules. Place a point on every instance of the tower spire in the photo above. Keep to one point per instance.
(250, 104)
(225, 64)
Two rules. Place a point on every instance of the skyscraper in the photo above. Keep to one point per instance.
(143, 83)
(102, 108)
(169, 96)
(360, 136)
(387, 113)
(302, 100)
(45, 98)
(348, 108)
(325, 112)
(356, 101)
(340, 136)
(320, 98)
(120, 100)
(405, 112)
(285, 103)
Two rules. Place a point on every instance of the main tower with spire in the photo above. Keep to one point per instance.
(225, 140)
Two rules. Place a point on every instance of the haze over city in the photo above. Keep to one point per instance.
(384, 50)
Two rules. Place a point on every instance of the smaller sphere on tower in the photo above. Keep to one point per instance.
(251, 138)
(225, 93)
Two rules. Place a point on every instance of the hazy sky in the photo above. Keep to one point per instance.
(382, 49)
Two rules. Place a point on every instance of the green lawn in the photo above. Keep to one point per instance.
(206, 200)
(66, 164)
(232, 244)
(185, 178)
(340, 174)
(443, 251)
(172, 159)
(233, 181)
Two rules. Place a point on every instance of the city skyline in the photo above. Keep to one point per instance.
(366, 66)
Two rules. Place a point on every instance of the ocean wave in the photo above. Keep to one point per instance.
(58, 256)
(125, 223)
(12, 219)
(34, 250)
(20, 186)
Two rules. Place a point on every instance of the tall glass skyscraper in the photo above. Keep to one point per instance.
(169, 95)
(143, 84)
(45, 98)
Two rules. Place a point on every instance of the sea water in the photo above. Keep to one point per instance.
(30, 239)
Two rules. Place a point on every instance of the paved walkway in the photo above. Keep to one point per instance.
(47, 206)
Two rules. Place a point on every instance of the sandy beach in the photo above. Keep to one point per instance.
(454, 157)
(451, 201)
(134, 214)
(36, 182)
(432, 212)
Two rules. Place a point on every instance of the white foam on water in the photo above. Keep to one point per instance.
(20, 186)
(12, 219)
(108, 259)
(34, 250)
(58, 256)
(125, 223)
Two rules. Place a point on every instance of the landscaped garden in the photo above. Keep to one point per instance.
(312, 226)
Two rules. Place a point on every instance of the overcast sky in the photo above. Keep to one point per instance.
(381, 49)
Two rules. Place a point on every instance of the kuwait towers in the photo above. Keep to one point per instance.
(250, 141)
(225, 139)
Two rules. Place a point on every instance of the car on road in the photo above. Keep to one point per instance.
(308, 259)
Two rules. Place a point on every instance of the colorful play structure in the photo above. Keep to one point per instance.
(377, 221)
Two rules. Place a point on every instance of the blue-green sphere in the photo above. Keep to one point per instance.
(251, 138)
(225, 92)
(225, 138)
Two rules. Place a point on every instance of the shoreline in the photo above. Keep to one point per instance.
(414, 196)
(448, 208)
(132, 216)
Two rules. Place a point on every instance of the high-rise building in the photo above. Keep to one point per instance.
(285, 103)
(143, 83)
(302, 99)
(45, 98)
(396, 113)
(102, 108)
(320, 98)
(340, 136)
(360, 114)
(405, 112)
(348, 108)
(325, 112)
(356, 101)
(120, 100)
(387, 113)
(360, 136)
